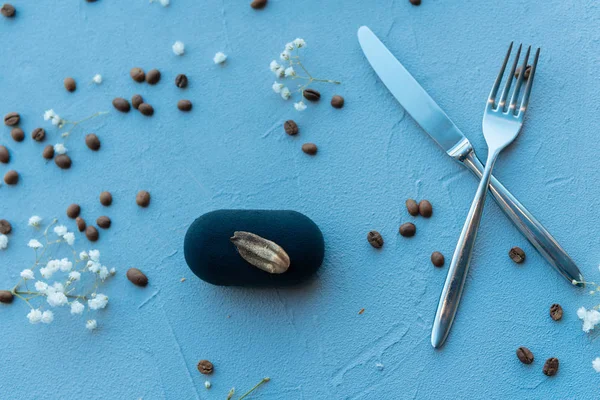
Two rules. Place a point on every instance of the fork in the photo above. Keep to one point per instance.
(501, 125)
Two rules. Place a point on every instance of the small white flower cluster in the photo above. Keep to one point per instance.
(164, 3)
(53, 117)
(35, 221)
(596, 364)
(219, 58)
(68, 237)
(178, 48)
(282, 71)
(590, 318)
(93, 264)
(60, 148)
(3, 242)
(97, 79)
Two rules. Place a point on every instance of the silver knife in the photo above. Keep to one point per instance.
(436, 123)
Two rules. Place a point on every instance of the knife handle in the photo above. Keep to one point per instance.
(533, 230)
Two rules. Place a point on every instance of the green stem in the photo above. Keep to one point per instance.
(76, 123)
(262, 382)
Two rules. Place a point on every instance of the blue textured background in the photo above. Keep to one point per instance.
(231, 152)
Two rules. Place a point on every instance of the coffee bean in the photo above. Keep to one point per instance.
(17, 134)
(337, 101)
(105, 199)
(11, 119)
(525, 355)
(70, 84)
(146, 109)
(81, 225)
(136, 100)
(408, 229)
(415, 2)
(309, 148)
(38, 134)
(412, 207)
(5, 227)
(91, 233)
(258, 4)
(425, 208)
(103, 222)
(184, 105)
(551, 366)
(143, 198)
(48, 152)
(181, 81)
(437, 259)
(73, 211)
(121, 104)
(4, 155)
(11, 177)
(92, 141)
(517, 255)
(6, 297)
(137, 74)
(205, 367)
(137, 277)
(153, 76)
(290, 127)
(527, 72)
(8, 10)
(556, 312)
(311, 94)
(63, 161)
(375, 239)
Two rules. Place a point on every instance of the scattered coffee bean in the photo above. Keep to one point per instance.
(412, 207)
(92, 141)
(525, 355)
(408, 229)
(415, 2)
(309, 148)
(103, 222)
(290, 127)
(375, 239)
(4, 155)
(137, 277)
(517, 255)
(105, 199)
(425, 208)
(437, 259)
(48, 152)
(17, 134)
(136, 100)
(81, 225)
(137, 74)
(143, 198)
(181, 81)
(184, 105)
(205, 367)
(73, 211)
(63, 161)
(6, 297)
(556, 312)
(153, 76)
(311, 94)
(258, 4)
(70, 84)
(527, 72)
(5, 227)
(121, 104)
(146, 109)
(38, 134)
(551, 366)
(337, 101)
(8, 10)
(91, 233)
(11, 177)
(11, 119)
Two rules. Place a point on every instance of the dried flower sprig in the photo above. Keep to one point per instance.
(290, 57)
(590, 317)
(59, 122)
(81, 276)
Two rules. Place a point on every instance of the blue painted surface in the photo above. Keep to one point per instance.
(231, 152)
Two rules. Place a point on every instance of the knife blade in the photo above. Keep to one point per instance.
(434, 121)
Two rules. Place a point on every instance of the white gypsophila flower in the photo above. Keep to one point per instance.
(56, 120)
(65, 265)
(164, 3)
(207, 384)
(77, 308)
(34, 316)
(3, 241)
(103, 273)
(48, 115)
(57, 287)
(57, 299)
(91, 324)
(113, 271)
(27, 274)
(274, 66)
(69, 238)
(93, 266)
(83, 255)
(285, 55)
(35, 221)
(299, 43)
(596, 364)
(60, 230)
(47, 317)
(590, 318)
(300, 106)
(285, 93)
(289, 46)
(41, 286)
(97, 79)
(219, 58)
(277, 87)
(60, 148)
(46, 272)
(280, 72)
(289, 71)
(94, 255)
(98, 302)
(74, 275)
(178, 48)
(34, 244)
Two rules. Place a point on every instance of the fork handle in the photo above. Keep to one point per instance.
(533, 230)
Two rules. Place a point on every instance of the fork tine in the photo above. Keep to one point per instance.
(509, 80)
(492, 98)
(515, 96)
(525, 101)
